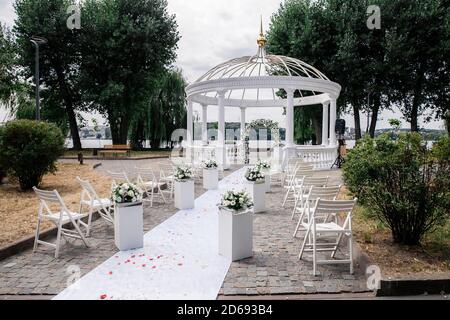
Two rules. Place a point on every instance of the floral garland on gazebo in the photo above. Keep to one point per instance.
(270, 125)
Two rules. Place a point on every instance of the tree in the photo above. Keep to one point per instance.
(59, 58)
(7, 64)
(164, 113)
(418, 57)
(125, 46)
(332, 36)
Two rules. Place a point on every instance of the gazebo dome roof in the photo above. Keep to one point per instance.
(262, 64)
(255, 81)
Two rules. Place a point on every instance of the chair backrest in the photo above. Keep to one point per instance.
(146, 174)
(303, 173)
(323, 193)
(118, 176)
(166, 169)
(304, 166)
(88, 189)
(314, 181)
(335, 207)
(47, 198)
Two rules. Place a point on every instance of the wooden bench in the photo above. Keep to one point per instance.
(116, 149)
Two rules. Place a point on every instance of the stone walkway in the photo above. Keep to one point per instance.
(273, 270)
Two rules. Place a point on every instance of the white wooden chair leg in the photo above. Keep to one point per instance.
(350, 247)
(314, 253)
(58, 241)
(88, 228)
(161, 193)
(302, 249)
(36, 237)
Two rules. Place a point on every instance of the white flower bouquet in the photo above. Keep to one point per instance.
(236, 200)
(254, 174)
(183, 173)
(210, 164)
(264, 165)
(126, 193)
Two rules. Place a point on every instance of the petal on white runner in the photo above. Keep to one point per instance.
(179, 261)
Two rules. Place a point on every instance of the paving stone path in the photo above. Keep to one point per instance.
(274, 269)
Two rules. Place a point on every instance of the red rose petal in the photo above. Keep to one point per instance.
(143, 265)
(180, 264)
(154, 267)
(110, 273)
(103, 296)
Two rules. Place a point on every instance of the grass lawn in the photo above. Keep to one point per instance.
(134, 154)
(18, 210)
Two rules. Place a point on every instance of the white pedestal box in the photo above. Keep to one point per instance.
(210, 179)
(184, 194)
(235, 234)
(257, 192)
(268, 179)
(129, 226)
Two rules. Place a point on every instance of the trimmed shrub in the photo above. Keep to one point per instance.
(29, 149)
(401, 183)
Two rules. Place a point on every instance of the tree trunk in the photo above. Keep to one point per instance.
(73, 128)
(417, 99)
(357, 122)
(119, 129)
(374, 117)
(67, 98)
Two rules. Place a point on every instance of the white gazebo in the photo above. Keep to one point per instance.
(252, 82)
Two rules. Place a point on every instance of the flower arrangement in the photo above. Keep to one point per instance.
(254, 174)
(183, 173)
(264, 165)
(210, 164)
(126, 193)
(236, 200)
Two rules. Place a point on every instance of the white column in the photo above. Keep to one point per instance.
(242, 120)
(205, 124)
(190, 125)
(325, 123)
(221, 133)
(221, 150)
(290, 118)
(332, 122)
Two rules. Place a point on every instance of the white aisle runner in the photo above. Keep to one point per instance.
(179, 260)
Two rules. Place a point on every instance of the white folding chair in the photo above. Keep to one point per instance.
(301, 172)
(302, 188)
(118, 178)
(316, 231)
(312, 195)
(90, 198)
(289, 172)
(166, 175)
(63, 216)
(147, 180)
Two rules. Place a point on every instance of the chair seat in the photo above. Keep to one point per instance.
(152, 184)
(65, 218)
(98, 203)
(168, 178)
(327, 227)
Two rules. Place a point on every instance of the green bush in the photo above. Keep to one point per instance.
(401, 183)
(29, 149)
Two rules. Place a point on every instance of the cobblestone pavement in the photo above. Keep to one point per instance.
(274, 268)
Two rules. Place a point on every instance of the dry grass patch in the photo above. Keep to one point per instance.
(401, 261)
(18, 210)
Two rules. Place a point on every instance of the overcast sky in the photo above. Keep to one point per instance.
(213, 32)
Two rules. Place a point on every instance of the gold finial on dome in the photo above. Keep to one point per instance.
(261, 41)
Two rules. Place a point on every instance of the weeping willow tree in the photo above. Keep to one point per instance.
(164, 113)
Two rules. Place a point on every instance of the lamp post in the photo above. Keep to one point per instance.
(37, 41)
